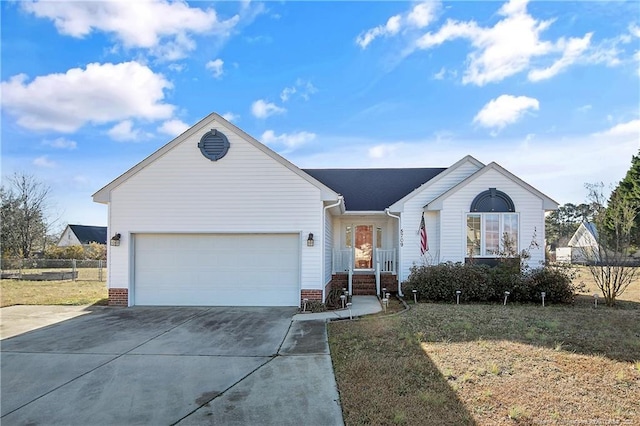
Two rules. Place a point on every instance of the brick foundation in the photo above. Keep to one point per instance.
(311, 295)
(118, 297)
(365, 284)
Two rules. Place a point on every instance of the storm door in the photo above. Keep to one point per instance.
(363, 247)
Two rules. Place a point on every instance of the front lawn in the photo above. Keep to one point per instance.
(22, 292)
(491, 365)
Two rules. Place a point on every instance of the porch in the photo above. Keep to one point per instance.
(367, 277)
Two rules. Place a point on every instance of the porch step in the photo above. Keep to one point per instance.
(365, 284)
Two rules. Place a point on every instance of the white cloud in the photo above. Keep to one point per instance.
(303, 88)
(175, 67)
(382, 150)
(630, 128)
(423, 14)
(390, 28)
(504, 110)
(572, 50)
(163, 27)
(61, 143)
(291, 141)
(44, 161)
(216, 67)
(99, 94)
(635, 31)
(124, 132)
(440, 74)
(173, 127)
(286, 93)
(264, 109)
(499, 51)
(229, 116)
(420, 16)
(514, 45)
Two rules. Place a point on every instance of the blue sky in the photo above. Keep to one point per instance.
(548, 90)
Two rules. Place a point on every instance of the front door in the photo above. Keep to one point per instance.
(363, 247)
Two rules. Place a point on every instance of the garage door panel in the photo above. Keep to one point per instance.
(217, 270)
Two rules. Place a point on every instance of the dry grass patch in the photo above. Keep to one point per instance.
(20, 292)
(505, 381)
(490, 364)
(384, 378)
(585, 280)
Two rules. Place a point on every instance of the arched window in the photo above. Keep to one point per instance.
(492, 226)
(492, 200)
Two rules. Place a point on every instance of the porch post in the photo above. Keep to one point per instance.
(400, 241)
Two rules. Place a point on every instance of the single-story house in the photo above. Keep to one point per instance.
(217, 218)
(582, 247)
(74, 235)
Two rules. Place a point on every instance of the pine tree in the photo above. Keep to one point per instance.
(629, 190)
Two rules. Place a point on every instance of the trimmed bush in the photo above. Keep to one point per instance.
(556, 283)
(481, 283)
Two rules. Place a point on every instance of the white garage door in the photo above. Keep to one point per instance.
(217, 270)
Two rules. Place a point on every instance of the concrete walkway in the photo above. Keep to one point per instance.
(361, 305)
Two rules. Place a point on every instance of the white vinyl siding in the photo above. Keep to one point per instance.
(69, 239)
(413, 209)
(247, 191)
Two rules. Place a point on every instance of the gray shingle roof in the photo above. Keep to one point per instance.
(373, 189)
(90, 234)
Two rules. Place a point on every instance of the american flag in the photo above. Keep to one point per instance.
(424, 243)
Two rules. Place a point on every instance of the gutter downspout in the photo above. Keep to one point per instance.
(322, 270)
(399, 272)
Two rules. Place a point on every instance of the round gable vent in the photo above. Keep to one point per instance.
(214, 145)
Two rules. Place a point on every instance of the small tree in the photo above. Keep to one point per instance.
(609, 262)
(24, 205)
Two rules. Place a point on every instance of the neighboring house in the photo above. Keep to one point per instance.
(74, 235)
(582, 247)
(216, 218)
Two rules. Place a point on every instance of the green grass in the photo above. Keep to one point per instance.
(490, 364)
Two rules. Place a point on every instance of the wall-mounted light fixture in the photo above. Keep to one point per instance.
(310, 240)
(115, 240)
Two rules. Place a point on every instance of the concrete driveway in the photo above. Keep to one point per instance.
(171, 366)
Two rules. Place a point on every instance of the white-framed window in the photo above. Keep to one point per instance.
(489, 234)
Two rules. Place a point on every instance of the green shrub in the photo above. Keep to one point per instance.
(481, 283)
(556, 283)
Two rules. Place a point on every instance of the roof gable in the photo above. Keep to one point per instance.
(548, 203)
(468, 159)
(90, 234)
(103, 195)
(586, 234)
(373, 189)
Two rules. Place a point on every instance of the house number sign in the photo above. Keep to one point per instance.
(401, 237)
